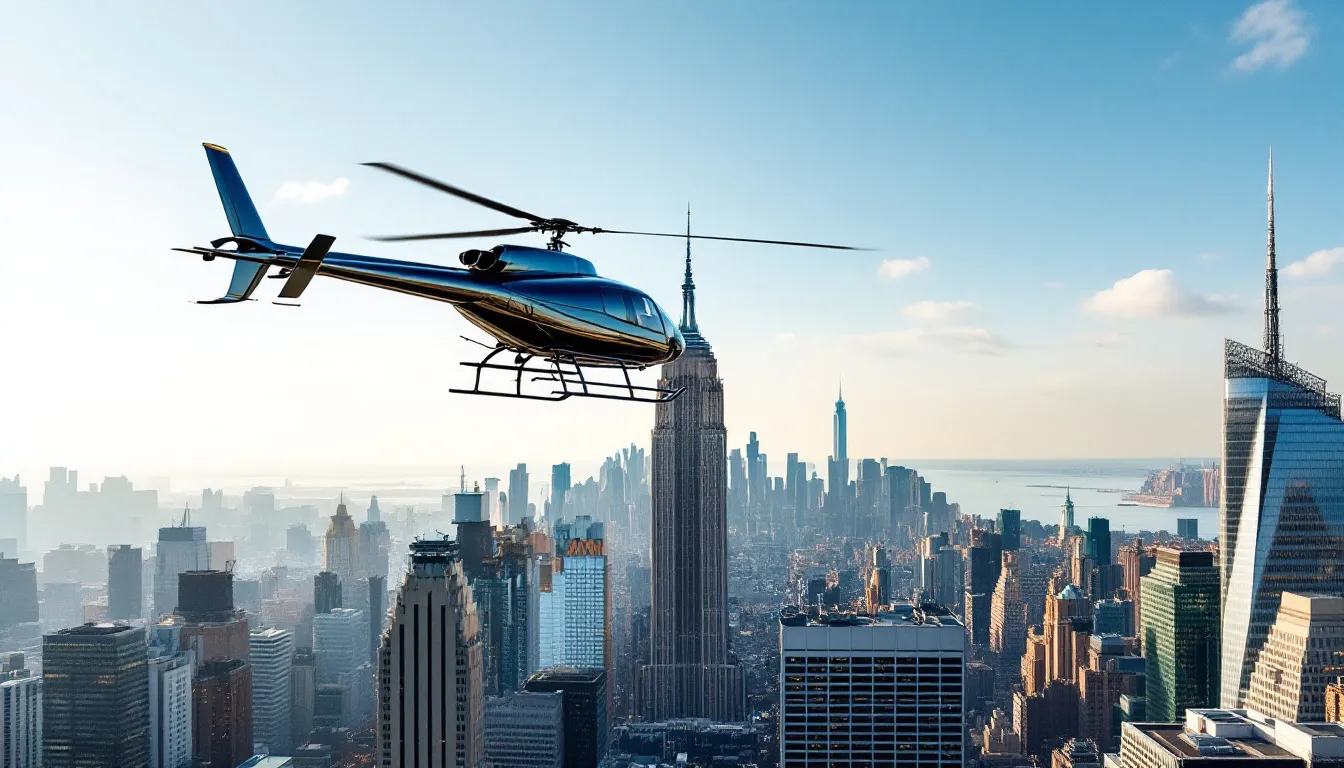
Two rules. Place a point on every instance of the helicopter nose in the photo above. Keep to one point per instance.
(675, 345)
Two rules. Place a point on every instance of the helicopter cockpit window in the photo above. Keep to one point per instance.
(646, 314)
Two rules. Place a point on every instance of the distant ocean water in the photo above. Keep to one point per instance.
(984, 487)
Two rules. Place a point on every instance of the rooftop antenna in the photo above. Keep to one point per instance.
(186, 516)
(1273, 341)
(464, 477)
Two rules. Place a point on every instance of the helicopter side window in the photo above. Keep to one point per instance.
(614, 304)
(645, 313)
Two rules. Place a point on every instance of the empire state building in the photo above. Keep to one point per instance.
(691, 673)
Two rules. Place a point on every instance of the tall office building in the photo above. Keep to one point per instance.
(1099, 541)
(341, 553)
(508, 601)
(95, 697)
(180, 549)
(1010, 529)
(272, 657)
(475, 536)
(124, 583)
(170, 705)
(375, 548)
(14, 514)
(1283, 489)
(587, 718)
(525, 730)
(1066, 515)
(581, 618)
(21, 720)
(690, 673)
(1008, 619)
(377, 615)
(1179, 626)
(1303, 653)
(338, 641)
(18, 593)
(431, 696)
(517, 494)
(840, 439)
(560, 484)
(893, 687)
(328, 592)
(303, 694)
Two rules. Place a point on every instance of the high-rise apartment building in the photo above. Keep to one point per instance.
(1302, 655)
(587, 719)
(431, 692)
(525, 730)
(180, 549)
(1008, 617)
(691, 673)
(95, 697)
(272, 657)
(124, 583)
(341, 552)
(581, 618)
(1179, 626)
(21, 720)
(303, 694)
(338, 641)
(1283, 489)
(518, 492)
(893, 687)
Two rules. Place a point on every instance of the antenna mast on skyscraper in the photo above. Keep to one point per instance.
(463, 467)
(1273, 341)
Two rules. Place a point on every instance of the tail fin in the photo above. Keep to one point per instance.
(243, 220)
(243, 217)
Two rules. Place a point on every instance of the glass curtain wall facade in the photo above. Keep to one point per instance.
(1282, 523)
(1179, 627)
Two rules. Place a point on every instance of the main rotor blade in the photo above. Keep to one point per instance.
(455, 191)
(734, 239)
(453, 235)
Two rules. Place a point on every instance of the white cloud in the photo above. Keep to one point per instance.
(1276, 33)
(311, 191)
(970, 341)
(895, 269)
(1317, 264)
(939, 311)
(1153, 293)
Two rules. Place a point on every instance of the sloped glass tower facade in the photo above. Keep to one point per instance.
(1282, 522)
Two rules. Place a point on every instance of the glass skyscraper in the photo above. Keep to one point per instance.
(1179, 627)
(1282, 523)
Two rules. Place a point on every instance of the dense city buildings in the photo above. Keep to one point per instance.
(508, 599)
(431, 690)
(95, 697)
(1283, 489)
(690, 673)
(328, 592)
(1179, 627)
(1302, 654)
(892, 688)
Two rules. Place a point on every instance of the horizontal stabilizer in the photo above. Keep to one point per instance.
(306, 269)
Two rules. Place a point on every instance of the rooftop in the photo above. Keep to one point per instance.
(899, 615)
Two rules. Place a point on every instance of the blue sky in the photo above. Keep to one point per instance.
(1012, 161)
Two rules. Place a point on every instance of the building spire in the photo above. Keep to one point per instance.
(1273, 341)
(688, 324)
(840, 395)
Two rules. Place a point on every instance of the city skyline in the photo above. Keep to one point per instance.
(1091, 293)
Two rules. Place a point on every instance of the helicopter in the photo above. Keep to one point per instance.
(547, 308)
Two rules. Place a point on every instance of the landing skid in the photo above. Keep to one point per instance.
(562, 369)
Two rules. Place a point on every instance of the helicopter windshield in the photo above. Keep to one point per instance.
(632, 308)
